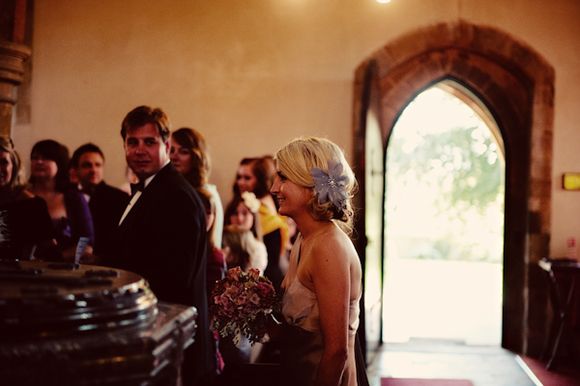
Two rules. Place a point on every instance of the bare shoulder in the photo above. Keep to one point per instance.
(334, 262)
(333, 247)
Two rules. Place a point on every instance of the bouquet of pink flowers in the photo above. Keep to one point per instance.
(243, 303)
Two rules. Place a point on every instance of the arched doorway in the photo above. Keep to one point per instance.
(444, 216)
(517, 85)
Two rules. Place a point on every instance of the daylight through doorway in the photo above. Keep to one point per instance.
(444, 216)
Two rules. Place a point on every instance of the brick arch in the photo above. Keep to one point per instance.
(516, 85)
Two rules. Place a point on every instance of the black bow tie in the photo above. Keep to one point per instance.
(138, 187)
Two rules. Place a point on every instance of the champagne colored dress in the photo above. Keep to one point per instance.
(302, 343)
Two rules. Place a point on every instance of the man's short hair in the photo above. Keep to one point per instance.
(142, 115)
(86, 148)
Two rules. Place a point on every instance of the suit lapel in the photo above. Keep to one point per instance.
(136, 212)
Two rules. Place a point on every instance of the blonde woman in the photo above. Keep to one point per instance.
(24, 221)
(323, 286)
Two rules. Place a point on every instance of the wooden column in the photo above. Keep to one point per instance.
(13, 54)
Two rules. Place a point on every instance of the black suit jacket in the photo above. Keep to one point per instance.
(163, 238)
(107, 205)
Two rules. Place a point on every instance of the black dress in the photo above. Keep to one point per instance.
(25, 225)
(273, 243)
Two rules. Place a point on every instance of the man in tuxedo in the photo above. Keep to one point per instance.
(106, 202)
(161, 234)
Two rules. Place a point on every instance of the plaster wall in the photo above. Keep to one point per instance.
(252, 75)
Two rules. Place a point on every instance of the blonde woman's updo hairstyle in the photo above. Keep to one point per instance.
(304, 158)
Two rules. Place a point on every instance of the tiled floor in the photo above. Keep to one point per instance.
(483, 365)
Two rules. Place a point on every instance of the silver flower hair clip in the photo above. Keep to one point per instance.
(331, 186)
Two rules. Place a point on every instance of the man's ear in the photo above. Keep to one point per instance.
(167, 146)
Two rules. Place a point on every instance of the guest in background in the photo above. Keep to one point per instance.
(67, 207)
(106, 202)
(190, 157)
(243, 250)
(242, 210)
(162, 235)
(255, 175)
(242, 214)
(216, 260)
(216, 267)
(10, 187)
(25, 226)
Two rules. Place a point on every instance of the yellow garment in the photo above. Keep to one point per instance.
(271, 221)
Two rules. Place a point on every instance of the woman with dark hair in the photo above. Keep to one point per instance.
(215, 270)
(256, 175)
(242, 224)
(67, 207)
(189, 156)
(19, 237)
(242, 249)
(242, 211)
